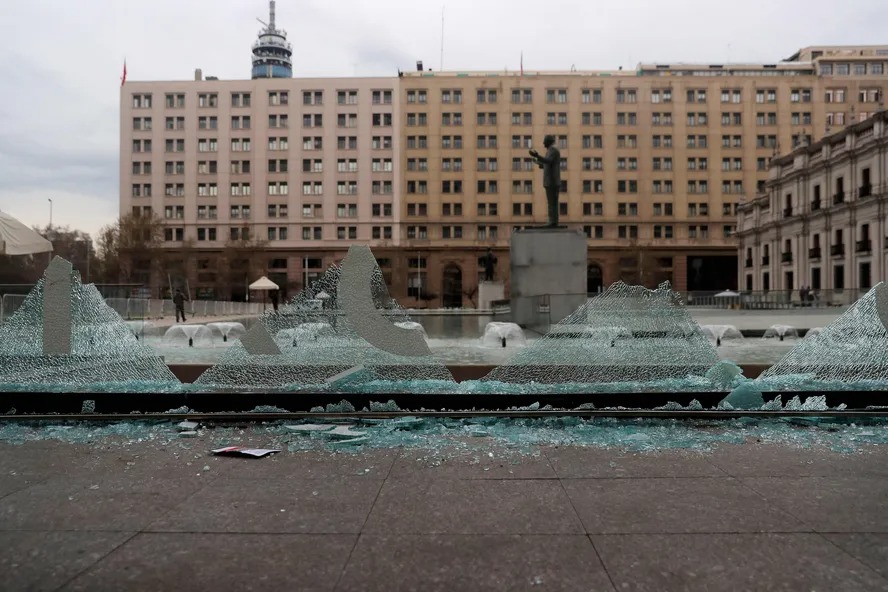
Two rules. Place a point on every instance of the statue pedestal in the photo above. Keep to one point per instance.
(548, 275)
(488, 292)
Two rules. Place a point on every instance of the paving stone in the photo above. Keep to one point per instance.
(473, 464)
(446, 563)
(829, 504)
(13, 481)
(333, 505)
(95, 502)
(674, 506)
(213, 562)
(871, 549)
(573, 462)
(46, 560)
(426, 506)
(313, 464)
(772, 460)
(731, 562)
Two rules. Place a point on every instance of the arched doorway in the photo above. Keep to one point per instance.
(594, 279)
(452, 295)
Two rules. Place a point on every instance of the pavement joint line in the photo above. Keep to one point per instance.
(38, 482)
(844, 551)
(579, 519)
(364, 523)
(100, 559)
(601, 562)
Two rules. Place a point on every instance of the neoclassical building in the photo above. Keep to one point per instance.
(821, 223)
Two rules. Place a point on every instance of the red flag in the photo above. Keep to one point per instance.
(123, 78)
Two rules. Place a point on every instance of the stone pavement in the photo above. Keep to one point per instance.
(166, 516)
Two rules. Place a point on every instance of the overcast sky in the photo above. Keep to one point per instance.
(61, 61)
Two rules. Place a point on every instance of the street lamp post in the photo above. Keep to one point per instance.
(49, 199)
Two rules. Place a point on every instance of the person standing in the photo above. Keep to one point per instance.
(179, 302)
(274, 299)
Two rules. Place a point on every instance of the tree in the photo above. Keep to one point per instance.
(124, 245)
(74, 245)
(241, 262)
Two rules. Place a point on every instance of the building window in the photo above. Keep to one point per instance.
(382, 97)
(174, 101)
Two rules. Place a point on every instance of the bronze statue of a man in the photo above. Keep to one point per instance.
(551, 165)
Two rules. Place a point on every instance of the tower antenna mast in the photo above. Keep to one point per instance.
(442, 38)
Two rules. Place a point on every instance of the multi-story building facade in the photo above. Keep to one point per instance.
(432, 168)
(270, 176)
(822, 223)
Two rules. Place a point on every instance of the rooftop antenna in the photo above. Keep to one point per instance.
(442, 39)
(269, 26)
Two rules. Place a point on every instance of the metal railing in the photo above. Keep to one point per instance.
(143, 308)
(774, 299)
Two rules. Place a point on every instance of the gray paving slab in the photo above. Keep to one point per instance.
(829, 504)
(473, 464)
(372, 464)
(774, 460)
(612, 506)
(473, 506)
(214, 562)
(336, 505)
(13, 481)
(870, 548)
(45, 458)
(732, 562)
(94, 502)
(596, 463)
(432, 521)
(430, 563)
(37, 561)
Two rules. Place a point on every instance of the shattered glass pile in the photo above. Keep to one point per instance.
(850, 353)
(100, 351)
(314, 343)
(626, 338)
(483, 438)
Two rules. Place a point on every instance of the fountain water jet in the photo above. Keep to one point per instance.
(199, 334)
(226, 330)
(503, 334)
(781, 332)
(718, 333)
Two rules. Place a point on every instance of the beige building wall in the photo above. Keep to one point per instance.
(823, 222)
(345, 182)
(656, 202)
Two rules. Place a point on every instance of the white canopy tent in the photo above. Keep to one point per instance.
(18, 239)
(264, 284)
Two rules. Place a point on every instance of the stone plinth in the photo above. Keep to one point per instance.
(548, 281)
(488, 292)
